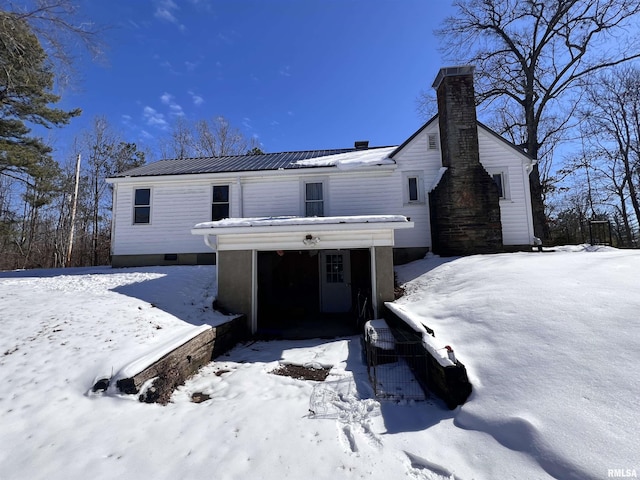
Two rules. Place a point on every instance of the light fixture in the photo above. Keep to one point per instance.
(310, 240)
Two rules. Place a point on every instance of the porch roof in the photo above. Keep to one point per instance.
(301, 233)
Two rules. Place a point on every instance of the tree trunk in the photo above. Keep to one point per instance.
(625, 218)
(540, 226)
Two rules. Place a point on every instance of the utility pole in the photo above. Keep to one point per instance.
(74, 207)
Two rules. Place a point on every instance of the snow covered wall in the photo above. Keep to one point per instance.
(439, 372)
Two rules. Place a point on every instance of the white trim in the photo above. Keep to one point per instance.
(325, 240)
(325, 194)
(419, 175)
(300, 233)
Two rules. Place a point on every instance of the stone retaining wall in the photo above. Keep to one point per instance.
(177, 366)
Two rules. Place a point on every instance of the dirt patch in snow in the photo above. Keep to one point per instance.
(300, 372)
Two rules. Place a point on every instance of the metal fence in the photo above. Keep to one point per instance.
(390, 359)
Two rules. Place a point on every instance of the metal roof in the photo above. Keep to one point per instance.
(231, 163)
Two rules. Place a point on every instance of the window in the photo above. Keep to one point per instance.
(413, 187)
(220, 202)
(334, 269)
(313, 199)
(498, 178)
(142, 205)
(433, 141)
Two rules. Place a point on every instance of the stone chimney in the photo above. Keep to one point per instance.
(465, 209)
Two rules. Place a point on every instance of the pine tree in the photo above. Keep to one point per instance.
(26, 96)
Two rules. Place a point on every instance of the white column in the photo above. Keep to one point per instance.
(374, 282)
(254, 291)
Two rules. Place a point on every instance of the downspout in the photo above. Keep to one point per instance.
(212, 244)
(241, 200)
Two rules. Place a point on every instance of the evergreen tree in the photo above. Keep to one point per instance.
(26, 95)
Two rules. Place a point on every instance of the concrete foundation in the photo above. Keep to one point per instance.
(121, 261)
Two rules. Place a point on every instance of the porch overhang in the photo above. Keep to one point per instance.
(301, 233)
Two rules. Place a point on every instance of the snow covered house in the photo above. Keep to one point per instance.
(320, 230)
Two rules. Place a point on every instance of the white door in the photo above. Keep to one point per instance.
(335, 281)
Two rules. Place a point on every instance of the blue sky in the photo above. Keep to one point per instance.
(296, 74)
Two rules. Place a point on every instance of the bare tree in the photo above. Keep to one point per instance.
(533, 57)
(180, 143)
(611, 123)
(206, 138)
(106, 154)
(217, 138)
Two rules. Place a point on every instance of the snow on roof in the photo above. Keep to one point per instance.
(437, 179)
(344, 158)
(351, 160)
(290, 221)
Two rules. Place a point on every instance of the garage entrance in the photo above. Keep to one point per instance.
(311, 293)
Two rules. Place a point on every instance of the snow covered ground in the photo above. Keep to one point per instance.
(551, 343)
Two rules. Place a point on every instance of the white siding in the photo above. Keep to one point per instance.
(271, 196)
(416, 157)
(175, 209)
(515, 211)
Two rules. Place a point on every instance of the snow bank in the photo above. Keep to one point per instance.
(549, 341)
(415, 322)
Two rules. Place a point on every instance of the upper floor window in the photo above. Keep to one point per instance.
(142, 205)
(498, 179)
(220, 202)
(413, 189)
(314, 199)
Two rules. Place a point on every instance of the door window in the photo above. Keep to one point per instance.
(335, 269)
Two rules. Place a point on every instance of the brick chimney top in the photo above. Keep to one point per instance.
(452, 72)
